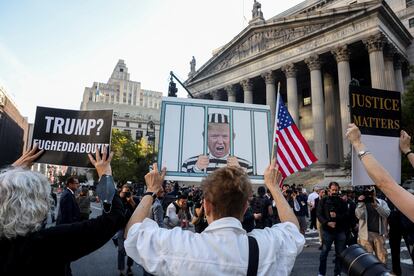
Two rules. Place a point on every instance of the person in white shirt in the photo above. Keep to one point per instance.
(223, 247)
(311, 203)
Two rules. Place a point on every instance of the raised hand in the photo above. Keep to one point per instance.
(102, 163)
(272, 175)
(27, 159)
(154, 179)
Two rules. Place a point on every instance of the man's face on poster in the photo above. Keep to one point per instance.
(218, 139)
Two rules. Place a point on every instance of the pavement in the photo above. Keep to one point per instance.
(104, 260)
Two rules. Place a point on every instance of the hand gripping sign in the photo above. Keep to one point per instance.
(67, 136)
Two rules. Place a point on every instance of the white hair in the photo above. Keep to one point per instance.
(24, 202)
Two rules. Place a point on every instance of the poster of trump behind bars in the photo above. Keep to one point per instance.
(199, 136)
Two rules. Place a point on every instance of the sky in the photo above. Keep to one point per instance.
(51, 50)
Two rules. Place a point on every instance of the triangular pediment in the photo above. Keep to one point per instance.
(260, 39)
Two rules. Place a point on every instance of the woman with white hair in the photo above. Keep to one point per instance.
(28, 249)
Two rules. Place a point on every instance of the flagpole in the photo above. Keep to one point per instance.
(274, 144)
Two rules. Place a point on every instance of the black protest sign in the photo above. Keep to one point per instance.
(67, 136)
(374, 111)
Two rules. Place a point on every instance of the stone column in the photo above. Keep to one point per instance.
(375, 45)
(344, 78)
(231, 93)
(333, 147)
(247, 85)
(389, 53)
(318, 108)
(399, 82)
(216, 95)
(292, 91)
(269, 78)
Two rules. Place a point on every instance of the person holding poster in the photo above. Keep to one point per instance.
(29, 249)
(224, 247)
(401, 198)
(218, 141)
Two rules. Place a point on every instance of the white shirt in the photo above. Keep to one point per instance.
(311, 198)
(221, 249)
(172, 214)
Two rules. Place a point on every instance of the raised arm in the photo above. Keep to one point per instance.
(402, 199)
(272, 178)
(154, 180)
(405, 147)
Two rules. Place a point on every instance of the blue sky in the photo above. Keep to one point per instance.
(51, 50)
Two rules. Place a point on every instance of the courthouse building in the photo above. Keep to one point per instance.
(314, 50)
(136, 110)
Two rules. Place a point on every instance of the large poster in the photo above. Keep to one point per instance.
(199, 136)
(377, 113)
(67, 136)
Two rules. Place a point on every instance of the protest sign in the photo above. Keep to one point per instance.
(67, 136)
(199, 136)
(377, 113)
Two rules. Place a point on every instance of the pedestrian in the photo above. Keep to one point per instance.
(130, 202)
(302, 214)
(262, 209)
(84, 203)
(69, 211)
(318, 223)
(156, 212)
(332, 213)
(223, 247)
(311, 203)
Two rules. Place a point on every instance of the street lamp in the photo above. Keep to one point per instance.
(151, 135)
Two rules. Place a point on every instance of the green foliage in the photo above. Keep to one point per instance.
(407, 123)
(131, 159)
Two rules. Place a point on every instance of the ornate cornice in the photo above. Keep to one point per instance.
(269, 77)
(247, 84)
(313, 62)
(375, 42)
(290, 70)
(341, 53)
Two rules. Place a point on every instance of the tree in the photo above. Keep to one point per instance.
(407, 123)
(131, 159)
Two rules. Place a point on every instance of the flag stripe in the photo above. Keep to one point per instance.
(298, 151)
(300, 145)
(291, 150)
(307, 149)
(285, 162)
(287, 157)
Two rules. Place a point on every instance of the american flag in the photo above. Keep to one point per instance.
(293, 152)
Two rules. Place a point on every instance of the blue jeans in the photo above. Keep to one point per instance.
(327, 240)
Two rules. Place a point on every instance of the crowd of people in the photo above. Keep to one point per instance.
(223, 227)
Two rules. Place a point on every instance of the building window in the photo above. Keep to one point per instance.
(306, 97)
(138, 135)
(115, 123)
(121, 70)
(127, 132)
(411, 22)
(127, 124)
(409, 3)
(139, 125)
(126, 115)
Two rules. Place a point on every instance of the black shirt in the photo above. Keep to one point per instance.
(45, 252)
(373, 218)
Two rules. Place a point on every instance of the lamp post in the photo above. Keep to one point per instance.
(151, 136)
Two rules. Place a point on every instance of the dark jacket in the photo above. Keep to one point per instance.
(334, 204)
(46, 252)
(68, 208)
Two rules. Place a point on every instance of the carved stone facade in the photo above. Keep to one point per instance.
(309, 51)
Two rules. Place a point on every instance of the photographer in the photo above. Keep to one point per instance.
(332, 214)
(129, 202)
(178, 213)
(372, 213)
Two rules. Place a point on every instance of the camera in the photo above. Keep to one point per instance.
(358, 262)
(128, 194)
